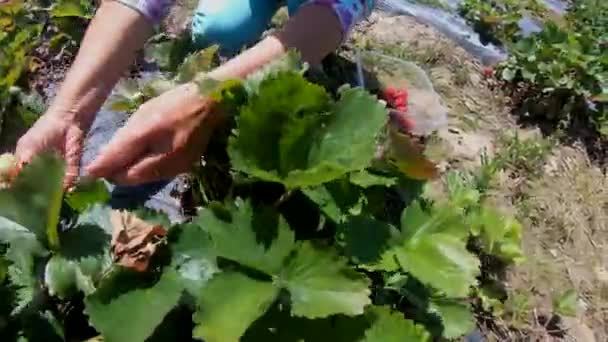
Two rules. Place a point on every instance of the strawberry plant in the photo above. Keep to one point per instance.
(563, 68)
(19, 33)
(498, 21)
(25, 26)
(317, 237)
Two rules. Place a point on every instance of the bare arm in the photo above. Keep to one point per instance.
(314, 31)
(107, 50)
(117, 32)
(168, 134)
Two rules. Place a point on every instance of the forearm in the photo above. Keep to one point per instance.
(314, 31)
(107, 50)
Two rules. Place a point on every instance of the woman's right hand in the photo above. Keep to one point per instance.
(55, 131)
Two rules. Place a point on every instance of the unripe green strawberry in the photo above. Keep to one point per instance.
(8, 169)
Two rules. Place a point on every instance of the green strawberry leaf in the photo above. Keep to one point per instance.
(86, 194)
(456, 317)
(229, 304)
(124, 310)
(321, 284)
(198, 62)
(278, 325)
(289, 61)
(336, 199)
(288, 110)
(390, 326)
(237, 240)
(449, 318)
(168, 53)
(439, 260)
(461, 192)
(417, 222)
(566, 303)
(11, 231)
(193, 257)
(34, 199)
(364, 238)
(83, 258)
(25, 283)
(354, 121)
(499, 235)
(72, 8)
(365, 179)
(64, 278)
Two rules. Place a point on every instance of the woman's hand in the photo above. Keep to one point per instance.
(112, 39)
(57, 130)
(163, 139)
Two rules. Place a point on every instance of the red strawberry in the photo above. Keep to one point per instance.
(395, 98)
(401, 120)
(488, 72)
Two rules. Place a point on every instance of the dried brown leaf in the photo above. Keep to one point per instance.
(408, 156)
(134, 241)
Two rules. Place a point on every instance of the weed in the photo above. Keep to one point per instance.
(525, 156)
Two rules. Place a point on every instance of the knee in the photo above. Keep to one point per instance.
(230, 23)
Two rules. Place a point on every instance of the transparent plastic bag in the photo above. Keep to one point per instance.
(425, 108)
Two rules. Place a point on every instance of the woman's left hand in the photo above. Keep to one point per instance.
(164, 138)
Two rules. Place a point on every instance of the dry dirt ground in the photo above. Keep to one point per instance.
(556, 192)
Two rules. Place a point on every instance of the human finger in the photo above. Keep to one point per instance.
(121, 151)
(152, 168)
(73, 154)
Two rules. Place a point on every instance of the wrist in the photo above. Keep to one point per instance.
(71, 112)
(80, 101)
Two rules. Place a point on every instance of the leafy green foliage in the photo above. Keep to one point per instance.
(23, 27)
(126, 309)
(498, 21)
(87, 194)
(456, 317)
(439, 260)
(72, 9)
(391, 327)
(366, 179)
(565, 303)
(173, 56)
(308, 243)
(318, 281)
(64, 278)
(34, 200)
(564, 67)
(198, 62)
(229, 304)
(295, 151)
(321, 284)
(19, 33)
(193, 258)
(237, 241)
(500, 236)
(365, 239)
(336, 199)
